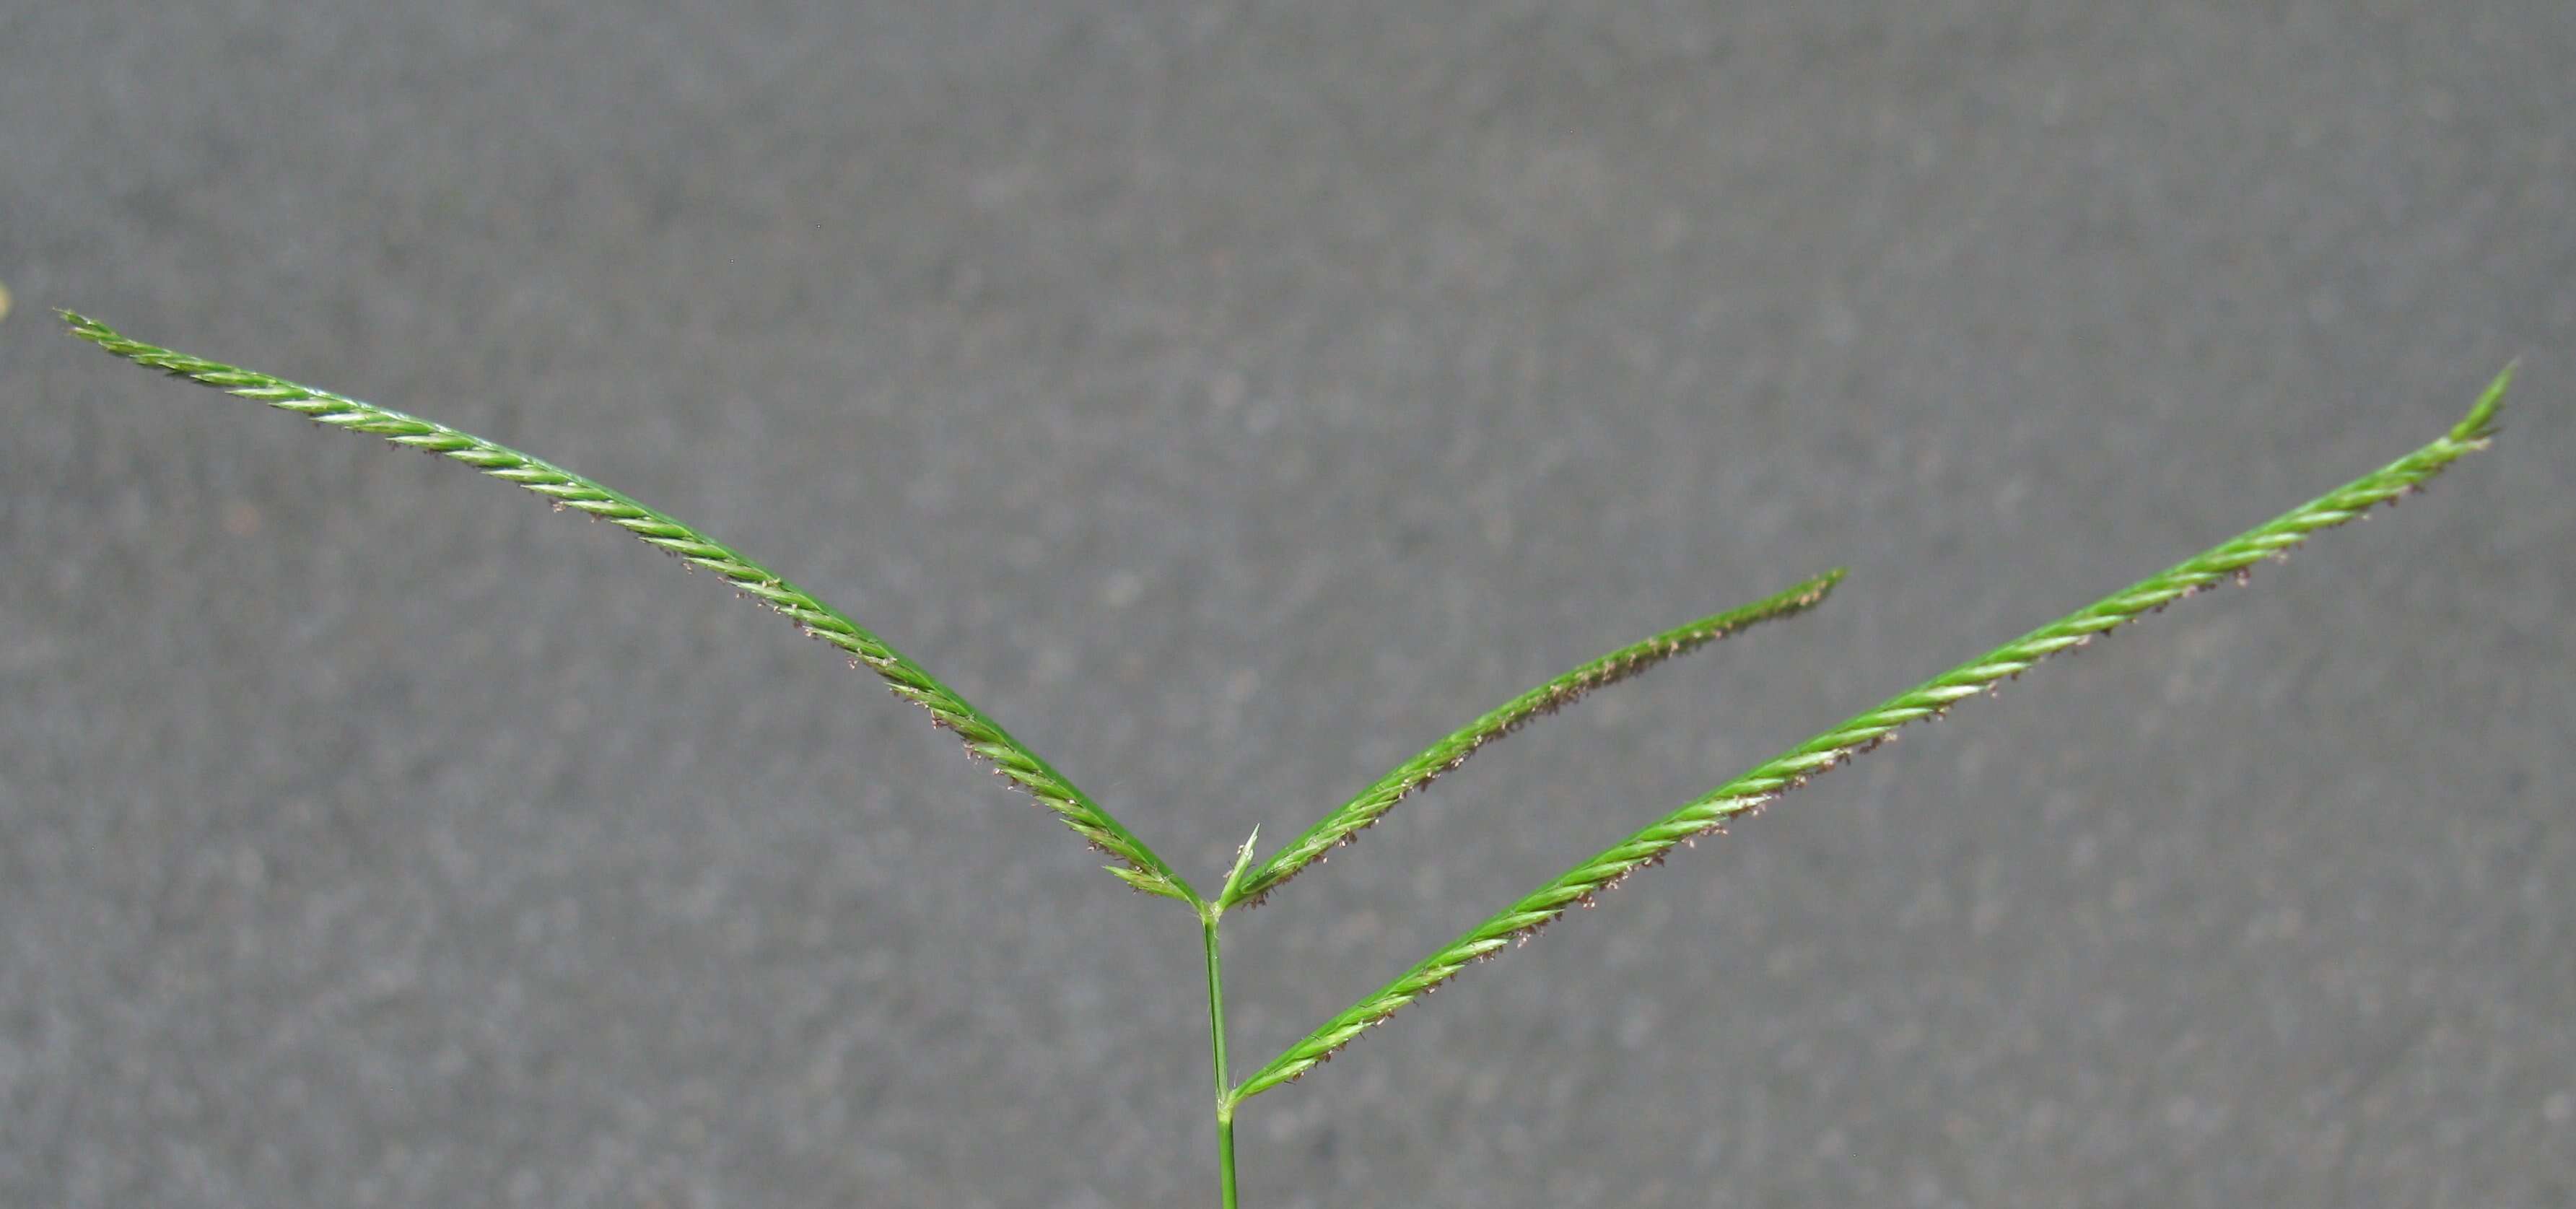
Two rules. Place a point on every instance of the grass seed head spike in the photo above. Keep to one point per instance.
(1343, 825)
(566, 489)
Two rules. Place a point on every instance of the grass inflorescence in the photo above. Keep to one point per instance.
(1250, 882)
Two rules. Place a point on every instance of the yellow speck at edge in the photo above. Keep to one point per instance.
(4, 302)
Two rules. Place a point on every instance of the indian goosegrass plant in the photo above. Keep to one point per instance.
(1253, 880)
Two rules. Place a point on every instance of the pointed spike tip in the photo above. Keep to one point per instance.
(82, 325)
(2480, 423)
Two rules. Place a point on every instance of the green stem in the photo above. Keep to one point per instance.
(1225, 1156)
(1224, 1083)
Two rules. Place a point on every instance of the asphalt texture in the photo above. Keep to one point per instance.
(1231, 399)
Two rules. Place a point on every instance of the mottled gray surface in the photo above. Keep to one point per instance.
(1231, 398)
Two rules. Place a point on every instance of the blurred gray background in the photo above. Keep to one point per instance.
(1232, 398)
